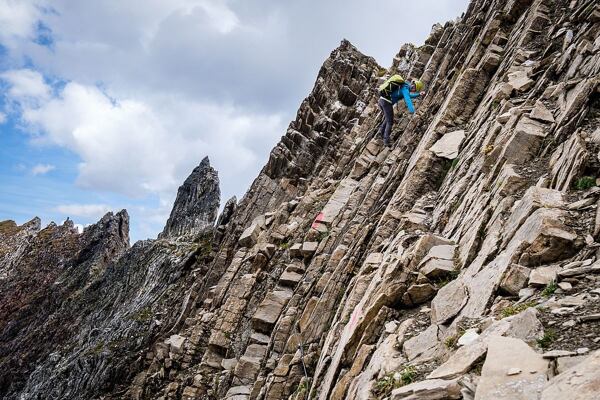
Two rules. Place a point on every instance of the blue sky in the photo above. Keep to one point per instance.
(110, 104)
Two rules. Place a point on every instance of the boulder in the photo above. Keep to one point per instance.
(248, 366)
(448, 302)
(435, 268)
(520, 81)
(269, 309)
(515, 279)
(468, 337)
(309, 248)
(176, 342)
(449, 145)
(580, 382)
(296, 250)
(543, 276)
(509, 354)
(525, 326)
(418, 294)
(461, 361)
(541, 113)
(525, 142)
(289, 278)
(250, 235)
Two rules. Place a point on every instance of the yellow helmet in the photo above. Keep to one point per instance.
(418, 85)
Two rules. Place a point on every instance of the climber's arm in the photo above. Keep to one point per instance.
(407, 100)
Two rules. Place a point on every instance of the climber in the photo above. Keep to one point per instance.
(391, 91)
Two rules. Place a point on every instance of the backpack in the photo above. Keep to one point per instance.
(393, 82)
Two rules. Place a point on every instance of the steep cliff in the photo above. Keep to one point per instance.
(460, 263)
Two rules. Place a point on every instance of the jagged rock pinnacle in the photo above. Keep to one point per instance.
(197, 202)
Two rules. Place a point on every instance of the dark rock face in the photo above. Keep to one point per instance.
(228, 211)
(49, 269)
(197, 203)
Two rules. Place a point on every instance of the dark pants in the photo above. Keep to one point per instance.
(388, 119)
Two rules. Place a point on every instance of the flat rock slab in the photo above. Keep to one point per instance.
(580, 382)
(423, 343)
(337, 201)
(558, 353)
(565, 363)
(449, 145)
(508, 354)
(461, 361)
(449, 301)
(431, 389)
(541, 113)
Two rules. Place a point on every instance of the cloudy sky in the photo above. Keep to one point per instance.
(109, 104)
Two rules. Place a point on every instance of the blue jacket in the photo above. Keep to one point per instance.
(404, 92)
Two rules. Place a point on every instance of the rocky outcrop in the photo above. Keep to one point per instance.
(197, 203)
(354, 271)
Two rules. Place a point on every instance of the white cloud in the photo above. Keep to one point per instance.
(138, 147)
(26, 86)
(2, 118)
(17, 20)
(83, 210)
(42, 169)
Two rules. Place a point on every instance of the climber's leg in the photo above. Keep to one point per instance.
(388, 115)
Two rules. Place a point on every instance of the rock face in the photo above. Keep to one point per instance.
(349, 270)
(197, 203)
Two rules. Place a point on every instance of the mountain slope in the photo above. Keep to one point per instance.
(443, 267)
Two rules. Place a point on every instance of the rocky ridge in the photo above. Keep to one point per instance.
(461, 263)
(197, 203)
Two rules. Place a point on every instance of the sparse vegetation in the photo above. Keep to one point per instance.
(284, 245)
(454, 163)
(545, 341)
(476, 369)
(441, 282)
(384, 386)
(143, 315)
(8, 227)
(517, 308)
(301, 390)
(322, 235)
(96, 350)
(585, 182)
(451, 341)
(550, 289)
